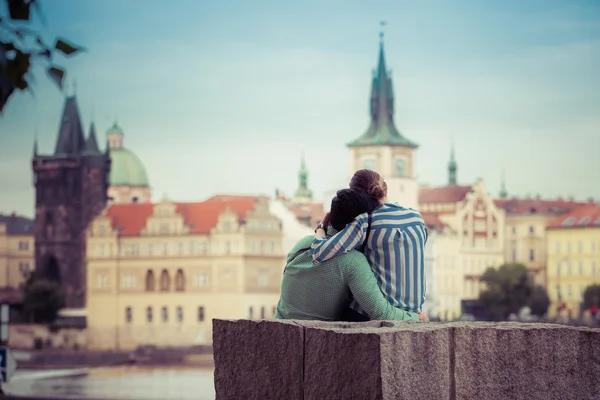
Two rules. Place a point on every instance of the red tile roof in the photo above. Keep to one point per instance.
(313, 212)
(444, 194)
(538, 206)
(582, 217)
(432, 220)
(201, 217)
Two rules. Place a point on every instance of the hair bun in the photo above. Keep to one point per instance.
(377, 191)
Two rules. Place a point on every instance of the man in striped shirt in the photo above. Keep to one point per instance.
(395, 250)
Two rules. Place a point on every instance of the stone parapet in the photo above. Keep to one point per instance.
(302, 360)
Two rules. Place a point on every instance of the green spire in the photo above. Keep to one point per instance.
(303, 192)
(382, 130)
(503, 193)
(452, 167)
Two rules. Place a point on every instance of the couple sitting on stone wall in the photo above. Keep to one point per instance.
(365, 261)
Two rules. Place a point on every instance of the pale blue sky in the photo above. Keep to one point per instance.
(224, 96)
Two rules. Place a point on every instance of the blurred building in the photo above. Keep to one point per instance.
(525, 233)
(573, 259)
(16, 256)
(128, 181)
(70, 191)
(159, 273)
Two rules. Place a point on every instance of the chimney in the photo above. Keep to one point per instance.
(590, 200)
(571, 198)
(13, 215)
(538, 197)
(560, 198)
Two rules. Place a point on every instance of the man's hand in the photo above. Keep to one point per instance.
(423, 317)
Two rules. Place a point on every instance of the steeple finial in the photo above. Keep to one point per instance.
(503, 192)
(35, 143)
(381, 32)
(452, 166)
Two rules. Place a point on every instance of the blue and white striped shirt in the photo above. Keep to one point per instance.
(395, 249)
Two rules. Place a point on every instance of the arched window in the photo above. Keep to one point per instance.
(179, 281)
(128, 315)
(179, 314)
(150, 281)
(149, 314)
(165, 314)
(165, 281)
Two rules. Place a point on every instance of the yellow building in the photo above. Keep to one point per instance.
(16, 252)
(573, 249)
(525, 233)
(159, 273)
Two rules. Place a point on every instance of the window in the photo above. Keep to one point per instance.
(514, 255)
(593, 246)
(569, 293)
(369, 163)
(179, 314)
(584, 220)
(102, 281)
(557, 246)
(193, 248)
(150, 281)
(568, 268)
(531, 230)
(149, 316)
(181, 251)
(128, 315)
(514, 230)
(165, 249)
(579, 247)
(201, 280)
(101, 251)
(128, 282)
(227, 248)
(23, 246)
(593, 268)
(262, 312)
(531, 255)
(200, 314)
(568, 222)
(250, 312)
(163, 227)
(400, 167)
(568, 247)
(558, 269)
(580, 268)
(179, 281)
(150, 249)
(597, 221)
(165, 314)
(165, 281)
(24, 269)
(262, 280)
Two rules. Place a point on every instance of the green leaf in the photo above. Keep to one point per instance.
(19, 10)
(66, 48)
(57, 74)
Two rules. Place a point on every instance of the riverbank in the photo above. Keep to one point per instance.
(44, 359)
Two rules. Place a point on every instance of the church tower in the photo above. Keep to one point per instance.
(383, 147)
(452, 167)
(70, 190)
(303, 194)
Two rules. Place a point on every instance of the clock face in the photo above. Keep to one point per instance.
(400, 167)
(369, 163)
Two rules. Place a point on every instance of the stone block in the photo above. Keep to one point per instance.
(513, 360)
(258, 359)
(376, 360)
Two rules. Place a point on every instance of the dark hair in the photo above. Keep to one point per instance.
(347, 205)
(369, 181)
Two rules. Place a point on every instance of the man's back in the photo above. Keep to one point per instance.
(315, 292)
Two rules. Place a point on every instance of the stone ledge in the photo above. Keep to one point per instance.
(404, 360)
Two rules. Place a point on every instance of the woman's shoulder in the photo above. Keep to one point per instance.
(397, 210)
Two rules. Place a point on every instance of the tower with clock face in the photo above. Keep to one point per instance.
(383, 148)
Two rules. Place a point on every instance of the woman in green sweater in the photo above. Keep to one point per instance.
(323, 291)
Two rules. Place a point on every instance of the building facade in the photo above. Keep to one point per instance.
(573, 259)
(16, 255)
(70, 191)
(159, 273)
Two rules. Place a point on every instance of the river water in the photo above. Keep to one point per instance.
(118, 383)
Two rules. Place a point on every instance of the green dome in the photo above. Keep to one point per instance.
(126, 169)
(115, 130)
